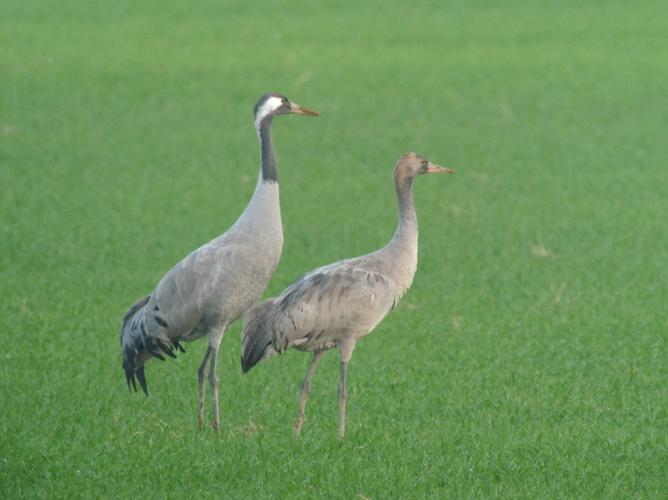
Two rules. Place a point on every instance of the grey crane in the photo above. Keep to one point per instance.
(336, 305)
(213, 286)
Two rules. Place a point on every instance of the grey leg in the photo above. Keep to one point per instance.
(200, 382)
(342, 399)
(306, 386)
(346, 348)
(214, 344)
(213, 383)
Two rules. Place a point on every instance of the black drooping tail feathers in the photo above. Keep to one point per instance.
(132, 345)
(257, 336)
(137, 347)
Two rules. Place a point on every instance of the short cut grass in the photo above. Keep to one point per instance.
(528, 359)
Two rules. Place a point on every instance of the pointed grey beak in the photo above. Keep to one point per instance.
(436, 169)
(298, 110)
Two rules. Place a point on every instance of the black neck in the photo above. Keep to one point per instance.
(268, 157)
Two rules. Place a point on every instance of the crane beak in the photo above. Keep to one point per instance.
(299, 110)
(436, 169)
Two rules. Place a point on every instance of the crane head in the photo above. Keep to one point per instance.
(270, 105)
(412, 164)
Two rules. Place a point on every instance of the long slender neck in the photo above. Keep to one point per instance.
(267, 155)
(262, 215)
(407, 229)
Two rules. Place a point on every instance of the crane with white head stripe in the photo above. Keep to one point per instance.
(214, 285)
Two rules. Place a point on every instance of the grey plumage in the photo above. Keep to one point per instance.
(214, 285)
(336, 305)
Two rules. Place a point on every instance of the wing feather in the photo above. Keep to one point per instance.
(330, 301)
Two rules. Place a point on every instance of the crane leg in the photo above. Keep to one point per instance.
(342, 399)
(306, 387)
(200, 381)
(214, 343)
(346, 350)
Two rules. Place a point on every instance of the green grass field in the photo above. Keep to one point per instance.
(530, 358)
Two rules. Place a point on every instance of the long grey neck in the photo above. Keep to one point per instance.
(400, 254)
(262, 217)
(406, 234)
(267, 155)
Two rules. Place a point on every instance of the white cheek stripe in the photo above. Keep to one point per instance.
(269, 106)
